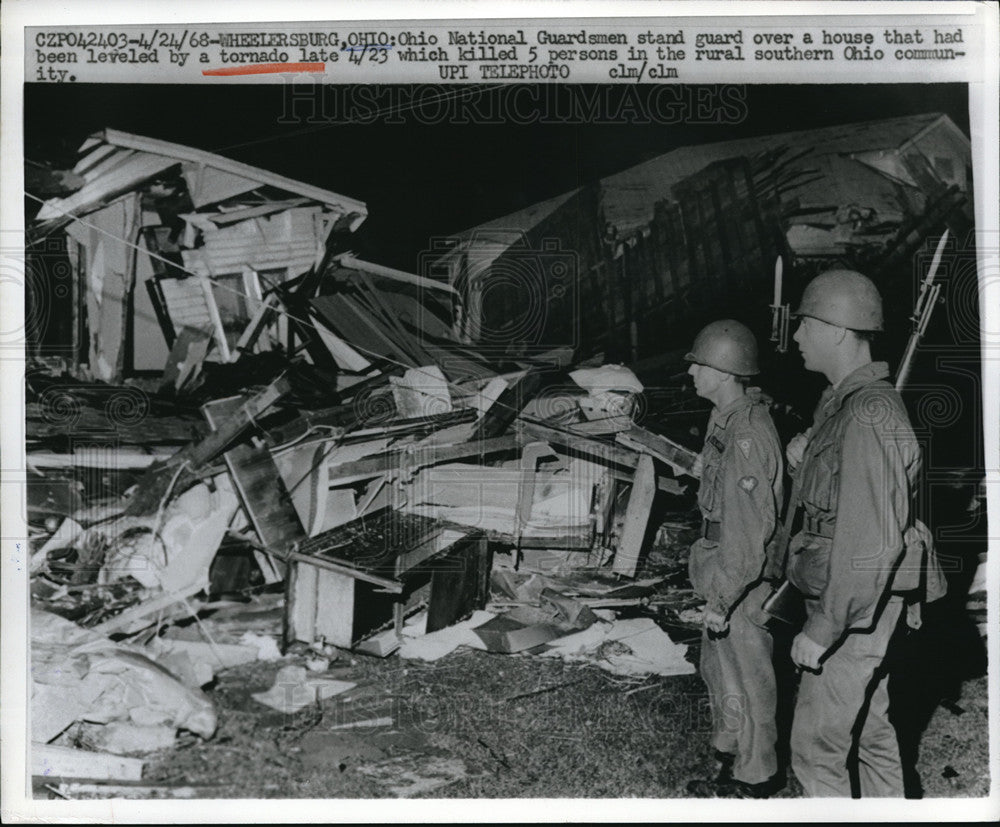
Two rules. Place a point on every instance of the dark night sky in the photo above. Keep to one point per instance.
(424, 176)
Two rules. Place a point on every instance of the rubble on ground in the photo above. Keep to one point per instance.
(404, 517)
(387, 490)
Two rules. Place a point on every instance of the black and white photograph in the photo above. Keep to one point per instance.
(505, 439)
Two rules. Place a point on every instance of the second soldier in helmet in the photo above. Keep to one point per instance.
(855, 483)
(739, 499)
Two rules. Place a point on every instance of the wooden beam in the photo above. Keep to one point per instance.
(243, 417)
(393, 586)
(577, 445)
(155, 483)
(508, 405)
(676, 456)
(261, 318)
(122, 622)
(65, 762)
(640, 504)
(259, 485)
(421, 457)
(348, 261)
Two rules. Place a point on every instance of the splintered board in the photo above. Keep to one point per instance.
(65, 762)
(640, 503)
(260, 487)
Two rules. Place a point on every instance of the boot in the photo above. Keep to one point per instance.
(741, 789)
(706, 787)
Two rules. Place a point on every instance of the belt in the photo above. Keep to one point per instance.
(711, 530)
(819, 528)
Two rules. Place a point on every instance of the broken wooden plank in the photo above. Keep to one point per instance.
(76, 789)
(414, 459)
(349, 262)
(509, 404)
(124, 621)
(578, 445)
(678, 457)
(157, 481)
(341, 568)
(367, 723)
(640, 503)
(86, 457)
(261, 318)
(336, 422)
(65, 762)
(241, 418)
(259, 485)
(380, 645)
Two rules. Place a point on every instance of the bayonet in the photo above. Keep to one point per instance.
(926, 301)
(780, 313)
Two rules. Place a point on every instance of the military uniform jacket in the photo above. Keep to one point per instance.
(854, 485)
(739, 498)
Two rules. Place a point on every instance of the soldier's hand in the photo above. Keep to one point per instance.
(716, 622)
(797, 448)
(697, 468)
(806, 652)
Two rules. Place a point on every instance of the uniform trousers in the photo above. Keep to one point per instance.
(739, 674)
(843, 743)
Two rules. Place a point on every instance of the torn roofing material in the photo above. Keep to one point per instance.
(491, 239)
(114, 162)
(628, 197)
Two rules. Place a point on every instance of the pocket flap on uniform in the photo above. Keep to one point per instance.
(820, 488)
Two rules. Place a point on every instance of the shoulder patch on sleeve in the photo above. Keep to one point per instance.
(748, 484)
(745, 445)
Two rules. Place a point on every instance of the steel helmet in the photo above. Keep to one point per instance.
(726, 345)
(844, 298)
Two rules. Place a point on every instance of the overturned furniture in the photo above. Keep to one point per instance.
(354, 579)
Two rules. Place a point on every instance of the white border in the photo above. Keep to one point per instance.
(17, 14)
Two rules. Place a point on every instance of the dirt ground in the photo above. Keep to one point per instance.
(480, 725)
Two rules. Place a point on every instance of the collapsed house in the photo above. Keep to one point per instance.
(319, 433)
(613, 265)
(171, 244)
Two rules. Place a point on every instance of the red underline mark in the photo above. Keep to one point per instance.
(265, 69)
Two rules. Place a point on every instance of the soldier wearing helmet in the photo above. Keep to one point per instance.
(739, 497)
(854, 471)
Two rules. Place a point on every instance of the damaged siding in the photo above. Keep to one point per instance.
(123, 235)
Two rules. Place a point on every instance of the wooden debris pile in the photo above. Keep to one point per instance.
(361, 481)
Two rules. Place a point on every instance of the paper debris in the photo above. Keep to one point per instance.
(267, 646)
(104, 682)
(635, 646)
(295, 688)
(440, 643)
